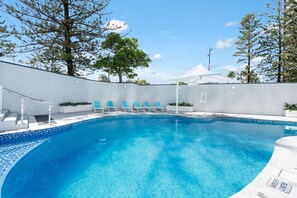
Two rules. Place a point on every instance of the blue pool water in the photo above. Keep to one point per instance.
(145, 156)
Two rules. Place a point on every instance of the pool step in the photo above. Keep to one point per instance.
(12, 121)
(24, 124)
(3, 114)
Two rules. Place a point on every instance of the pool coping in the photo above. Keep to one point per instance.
(282, 165)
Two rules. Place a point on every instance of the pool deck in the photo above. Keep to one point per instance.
(282, 167)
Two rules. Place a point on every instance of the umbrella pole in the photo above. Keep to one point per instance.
(176, 98)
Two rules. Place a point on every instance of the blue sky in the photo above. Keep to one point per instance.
(177, 34)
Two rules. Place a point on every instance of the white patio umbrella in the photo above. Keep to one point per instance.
(199, 75)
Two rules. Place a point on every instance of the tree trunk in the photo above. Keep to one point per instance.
(249, 56)
(120, 74)
(279, 69)
(67, 48)
(249, 68)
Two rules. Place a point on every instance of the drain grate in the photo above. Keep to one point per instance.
(280, 184)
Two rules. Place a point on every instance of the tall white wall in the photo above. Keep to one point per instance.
(1, 89)
(56, 88)
(266, 99)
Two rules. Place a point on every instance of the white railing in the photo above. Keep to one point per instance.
(40, 101)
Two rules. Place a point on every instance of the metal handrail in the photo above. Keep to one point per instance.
(22, 95)
(40, 101)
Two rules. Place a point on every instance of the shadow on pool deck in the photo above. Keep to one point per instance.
(43, 119)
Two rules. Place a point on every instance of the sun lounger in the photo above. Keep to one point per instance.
(160, 107)
(126, 107)
(110, 105)
(137, 106)
(148, 106)
(97, 106)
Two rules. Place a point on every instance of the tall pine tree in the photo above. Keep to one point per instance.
(247, 43)
(271, 43)
(243, 75)
(290, 41)
(71, 29)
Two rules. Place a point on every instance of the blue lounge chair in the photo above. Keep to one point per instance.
(126, 107)
(148, 106)
(160, 107)
(97, 106)
(110, 105)
(137, 106)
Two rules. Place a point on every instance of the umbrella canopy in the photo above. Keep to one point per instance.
(200, 75)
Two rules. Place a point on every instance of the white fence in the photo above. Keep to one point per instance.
(265, 99)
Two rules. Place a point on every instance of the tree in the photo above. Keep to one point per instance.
(6, 46)
(182, 83)
(141, 82)
(103, 78)
(231, 74)
(271, 43)
(72, 28)
(290, 40)
(48, 60)
(123, 56)
(247, 42)
(245, 74)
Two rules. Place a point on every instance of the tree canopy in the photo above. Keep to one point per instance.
(60, 32)
(231, 74)
(290, 41)
(247, 42)
(246, 76)
(138, 81)
(122, 56)
(271, 43)
(6, 46)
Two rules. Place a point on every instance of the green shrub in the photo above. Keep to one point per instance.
(290, 107)
(182, 104)
(73, 103)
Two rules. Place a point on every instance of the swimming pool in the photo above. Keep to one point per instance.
(146, 156)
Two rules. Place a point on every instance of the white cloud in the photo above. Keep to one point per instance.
(241, 67)
(256, 60)
(117, 26)
(157, 57)
(230, 68)
(227, 43)
(231, 24)
(155, 76)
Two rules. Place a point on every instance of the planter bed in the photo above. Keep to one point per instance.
(291, 114)
(180, 108)
(69, 109)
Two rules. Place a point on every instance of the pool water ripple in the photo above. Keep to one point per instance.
(145, 156)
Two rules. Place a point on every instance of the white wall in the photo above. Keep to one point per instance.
(0, 98)
(244, 98)
(266, 99)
